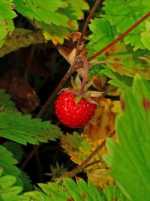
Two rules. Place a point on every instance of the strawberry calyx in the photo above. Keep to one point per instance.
(82, 93)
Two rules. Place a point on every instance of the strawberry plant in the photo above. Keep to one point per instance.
(74, 100)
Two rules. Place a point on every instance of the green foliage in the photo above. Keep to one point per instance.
(123, 13)
(118, 17)
(23, 129)
(129, 156)
(56, 18)
(61, 191)
(113, 193)
(8, 190)
(8, 164)
(68, 190)
(102, 34)
(77, 8)
(125, 61)
(76, 141)
(145, 35)
(6, 19)
(47, 12)
(76, 146)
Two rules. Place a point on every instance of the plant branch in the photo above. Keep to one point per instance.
(85, 163)
(63, 80)
(120, 37)
(30, 156)
(45, 107)
(68, 74)
(92, 163)
(43, 110)
(59, 86)
(90, 16)
(21, 38)
(29, 61)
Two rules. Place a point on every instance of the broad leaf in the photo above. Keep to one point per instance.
(56, 18)
(129, 156)
(23, 129)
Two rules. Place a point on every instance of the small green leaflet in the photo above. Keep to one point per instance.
(8, 189)
(102, 34)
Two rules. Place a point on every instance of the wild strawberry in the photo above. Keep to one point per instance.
(72, 112)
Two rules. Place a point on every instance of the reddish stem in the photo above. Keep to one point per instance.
(43, 110)
(50, 98)
(90, 16)
(120, 37)
(85, 163)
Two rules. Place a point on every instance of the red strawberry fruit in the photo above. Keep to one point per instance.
(73, 113)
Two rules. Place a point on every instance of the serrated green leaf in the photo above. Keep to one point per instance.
(52, 32)
(9, 191)
(123, 13)
(23, 129)
(34, 196)
(68, 190)
(46, 11)
(117, 17)
(73, 190)
(124, 61)
(77, 7)
(60, 191)
(8, 164)
(54, 190)
(102, 34)
(145, 38)
(129, 157)
(114, 193)
(56, 18)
